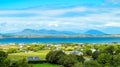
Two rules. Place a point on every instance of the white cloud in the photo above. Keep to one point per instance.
(43, 12)
(113, 24)
(97, 18)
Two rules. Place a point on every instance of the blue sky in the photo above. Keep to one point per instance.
(63, 15)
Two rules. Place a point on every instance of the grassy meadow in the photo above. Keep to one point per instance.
(45, 65)
(41, 54)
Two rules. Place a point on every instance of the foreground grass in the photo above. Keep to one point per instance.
(45, 65)
(41, 54)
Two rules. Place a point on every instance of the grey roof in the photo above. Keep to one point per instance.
(33, 59)
(76, 52)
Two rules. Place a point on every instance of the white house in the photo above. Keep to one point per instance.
(76, 52)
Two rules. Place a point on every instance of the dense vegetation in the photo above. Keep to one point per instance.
(63, 55)
(102, 56)
(4, 62)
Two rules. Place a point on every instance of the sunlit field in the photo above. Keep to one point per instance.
(41, 54)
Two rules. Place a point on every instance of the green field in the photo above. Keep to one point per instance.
(45, 65)
(41, 54)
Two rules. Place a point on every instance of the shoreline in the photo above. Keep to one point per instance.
(56, 44)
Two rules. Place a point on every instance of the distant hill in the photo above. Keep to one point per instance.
(31, 32)
(54, 33)
(0, 34)
(92, 31)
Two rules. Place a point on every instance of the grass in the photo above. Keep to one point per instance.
(45, 65)
(41, 54)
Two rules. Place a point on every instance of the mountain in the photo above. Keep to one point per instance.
(96, 32)
(31, 32)
(0, 34)
(49, 33)
(54, 33)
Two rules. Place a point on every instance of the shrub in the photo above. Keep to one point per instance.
(80, 58)
(12, 50)
(104, 59)
(116, 61)
(92, 64)
(3, 57)
(20, 63)
(88, 52)
(54, 56)
(78, 65)
(95, 55)
(68, 60)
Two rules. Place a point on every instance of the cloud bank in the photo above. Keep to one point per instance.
(77, 18)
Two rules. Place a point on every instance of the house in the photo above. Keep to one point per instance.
(33, 58)
(20, 46)
(76, 52)
(93, 50)
(48, 46)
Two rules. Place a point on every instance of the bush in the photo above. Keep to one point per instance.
(95, 55)
(92, 64)
(12, 50)
(4, 62)
(59, 57)
(78, 65)
(3, 57)
(54, 56)
(68, 60)
(104, 59)
(80, 58)
(20, 63)
(23, 63)
(116, 60)
(88, 52)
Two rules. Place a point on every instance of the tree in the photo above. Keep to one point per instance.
(49, 56)
(95, 55)
(110, 49)
(68, 60)
(20, 63)
(88, 52)
(4, 62)
(80, 58)
(15, 64)
(23, 63)
(116, 60)
(3, 57)
(54, 56)
(104, 59)
(8, 63)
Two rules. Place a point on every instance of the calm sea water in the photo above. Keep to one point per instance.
(60, 40)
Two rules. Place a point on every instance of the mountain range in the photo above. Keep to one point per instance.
(32, 32)
(92, 31)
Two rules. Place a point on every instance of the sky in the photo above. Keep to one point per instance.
(62, 15)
